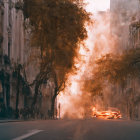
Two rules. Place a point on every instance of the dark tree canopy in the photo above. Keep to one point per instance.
(58, 28)
(114, 69)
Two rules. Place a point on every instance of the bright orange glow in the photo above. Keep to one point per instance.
(106, 114)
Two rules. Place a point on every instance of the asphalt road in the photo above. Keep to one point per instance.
(71, 130)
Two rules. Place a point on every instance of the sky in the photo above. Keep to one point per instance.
(97, 5)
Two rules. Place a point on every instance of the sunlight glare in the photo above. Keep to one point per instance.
(97, 5)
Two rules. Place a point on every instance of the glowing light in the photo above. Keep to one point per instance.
(97, 5)
(106, 114)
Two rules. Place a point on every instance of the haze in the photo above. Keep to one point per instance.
(97, 5)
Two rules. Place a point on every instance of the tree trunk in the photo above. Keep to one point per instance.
(17, 95)
(53, 103)
(132, 99)
(36, 94)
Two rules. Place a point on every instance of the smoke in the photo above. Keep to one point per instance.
(75, 103)
(123, 14)
(108, 34)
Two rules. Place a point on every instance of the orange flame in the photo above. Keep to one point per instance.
(106, 114)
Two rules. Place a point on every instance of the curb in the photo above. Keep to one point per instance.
(10, 121)
(7, 121)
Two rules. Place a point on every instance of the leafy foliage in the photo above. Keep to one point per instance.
(58, 27)
(116, 69)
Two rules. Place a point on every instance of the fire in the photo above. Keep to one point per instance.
(106, 114)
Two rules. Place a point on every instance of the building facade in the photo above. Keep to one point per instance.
(14, 53)
(125, 25)
(11, 52)
(134, 29)
(123, 14)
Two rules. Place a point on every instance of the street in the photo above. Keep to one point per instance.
(71, 130)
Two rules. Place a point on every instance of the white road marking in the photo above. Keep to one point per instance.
(32, 132)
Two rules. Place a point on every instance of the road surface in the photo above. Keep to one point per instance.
(71, 130)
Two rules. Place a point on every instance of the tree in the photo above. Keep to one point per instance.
(117, 69)
(93, 86)
(58, 29)
(21, 86)
(18, 69)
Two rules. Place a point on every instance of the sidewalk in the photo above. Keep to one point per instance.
(10, 120)
(21, 120)
(16, 120)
